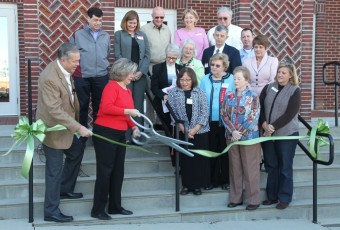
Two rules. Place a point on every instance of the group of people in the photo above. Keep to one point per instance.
(223, 86)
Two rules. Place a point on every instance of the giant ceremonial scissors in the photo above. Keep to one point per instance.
(149, 134)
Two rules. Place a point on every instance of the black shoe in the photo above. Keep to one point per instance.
(233, 205)
(210, 187)
(252, 207)
(184, 191)
(71, 195)
(123, 212)
(197, 191)
(101, 216)
(225, 186)
(59, 218)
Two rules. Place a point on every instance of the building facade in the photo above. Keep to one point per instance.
(305, 32)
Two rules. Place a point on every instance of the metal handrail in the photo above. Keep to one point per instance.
(335, 83)
(316, 162)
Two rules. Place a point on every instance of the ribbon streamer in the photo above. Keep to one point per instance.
(321, 127)
(24, 132)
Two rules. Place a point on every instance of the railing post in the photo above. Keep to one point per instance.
(315, 192)
(30, 117)
(177, 172)
(336, 94)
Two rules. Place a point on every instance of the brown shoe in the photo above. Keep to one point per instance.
(251, 207)
(270, 202)
(282, 205)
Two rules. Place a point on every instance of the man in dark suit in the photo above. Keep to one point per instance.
(221, 35)
(58, 104)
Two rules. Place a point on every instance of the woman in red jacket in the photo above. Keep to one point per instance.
(112, 122)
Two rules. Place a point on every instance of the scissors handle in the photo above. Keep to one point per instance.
(142, 126)
(142, 140)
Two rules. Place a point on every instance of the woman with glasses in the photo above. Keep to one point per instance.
(190, 31)
(163, 79)
(215, 85)
(187, 59)
(280, 104)
(190, 105)
(131, 43)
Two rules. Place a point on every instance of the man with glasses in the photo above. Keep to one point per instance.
(220, 37)
(224, 15)
(159, 36)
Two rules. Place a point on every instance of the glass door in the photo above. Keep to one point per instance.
(9, 76)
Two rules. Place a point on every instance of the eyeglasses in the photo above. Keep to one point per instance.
(159, 17)
(171, 58)
(215, 65)
(185, 80)
(220, 19)
(286, 63)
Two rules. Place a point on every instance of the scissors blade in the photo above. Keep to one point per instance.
(168, 140)
(182, 150)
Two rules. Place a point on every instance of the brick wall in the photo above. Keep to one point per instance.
(287, 23)
(327, 48)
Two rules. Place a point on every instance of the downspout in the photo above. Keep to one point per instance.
(313, 58)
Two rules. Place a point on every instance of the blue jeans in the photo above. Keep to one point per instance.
(278, 159)
(86, 87)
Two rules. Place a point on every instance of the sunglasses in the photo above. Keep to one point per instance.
(216, 65)
(171, 58)
(225, 19)
(159, 17)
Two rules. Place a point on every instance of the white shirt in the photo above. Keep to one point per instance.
(234, 36)
(68, 79)
(220, 50)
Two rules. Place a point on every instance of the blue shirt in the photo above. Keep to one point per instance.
(246, 54)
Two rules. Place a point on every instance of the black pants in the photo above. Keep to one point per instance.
(86, 87)
(110, 170)
(219, 166)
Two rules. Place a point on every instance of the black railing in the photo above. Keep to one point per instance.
(315, 164)
(335, 82)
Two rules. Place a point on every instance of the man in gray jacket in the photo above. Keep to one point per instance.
(92, 75)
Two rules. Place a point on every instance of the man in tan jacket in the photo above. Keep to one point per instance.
(58, 104)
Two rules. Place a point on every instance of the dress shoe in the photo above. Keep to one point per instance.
(270, 202)
(282, 205)
(210, 187)
(197, 191)
(251, 207)
(71, 195)
(233, 205)
(101, 216)
(184, 191)
(59, 218)
(123, 212)
(225, 186)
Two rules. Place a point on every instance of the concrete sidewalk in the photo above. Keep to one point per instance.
(21, 224)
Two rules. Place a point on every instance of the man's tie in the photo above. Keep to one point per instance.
(217, 51)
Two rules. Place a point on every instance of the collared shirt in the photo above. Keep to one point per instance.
(68, 79)
(234, 36)
(220, 50)
(246, 53)
(94, 33)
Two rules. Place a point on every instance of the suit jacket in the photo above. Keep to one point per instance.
(232, 52)
(123, 44)
(55, 106)
(159, 80)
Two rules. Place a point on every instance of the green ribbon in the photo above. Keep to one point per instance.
(321, 127)
(24, 132)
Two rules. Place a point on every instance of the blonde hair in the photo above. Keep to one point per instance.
(191, 11)
(245, 72)
(294, 80)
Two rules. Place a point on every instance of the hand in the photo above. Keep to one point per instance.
(136, 132)
(191, 133)
(137, 75)
(84, 132)
(165, 98)
(270, 128)
(236, 135)
(181, 128)
(133, 112)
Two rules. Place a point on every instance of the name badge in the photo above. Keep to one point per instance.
(206, 65)
(275, 89)
(140, 37)
(225, 85)
(198, 34)
(189, 101)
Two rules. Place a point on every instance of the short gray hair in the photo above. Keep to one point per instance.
(220, 28)
(66, 49)
(225, 9)
(122, 68)
(222, 57)
(186, 42)
(173, 49)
